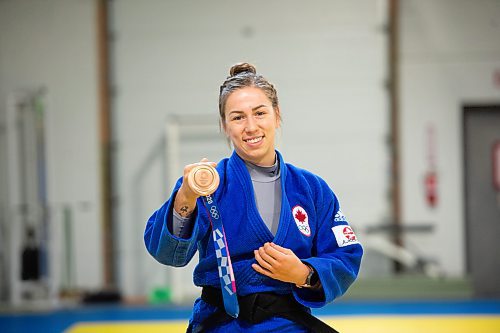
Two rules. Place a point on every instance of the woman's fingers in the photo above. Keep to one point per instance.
(189, 167)
(205, 160)
(274, 255)
(261, 270)
(278, 263)
(280, 249)
(263, 262)
(276, 251)
(268, 257)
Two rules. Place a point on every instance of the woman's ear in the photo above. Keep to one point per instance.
(222, 126)
(278, 116)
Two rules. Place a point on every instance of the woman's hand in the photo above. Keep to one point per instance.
(280, 263)
(185, 200)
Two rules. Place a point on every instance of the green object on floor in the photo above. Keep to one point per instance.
(160, 295)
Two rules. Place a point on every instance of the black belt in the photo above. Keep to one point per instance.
(255, 308)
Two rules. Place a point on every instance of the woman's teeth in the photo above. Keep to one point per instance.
(254, 140)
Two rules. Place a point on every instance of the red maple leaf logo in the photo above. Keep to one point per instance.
(300, 216)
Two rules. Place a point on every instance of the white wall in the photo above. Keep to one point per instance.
(327, 60)
(450, 51)
(52, 44)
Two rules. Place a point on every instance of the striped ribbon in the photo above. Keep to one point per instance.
(226, 275)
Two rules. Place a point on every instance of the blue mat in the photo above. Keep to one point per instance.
(59, 320)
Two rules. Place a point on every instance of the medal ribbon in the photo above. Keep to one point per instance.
(226, 275)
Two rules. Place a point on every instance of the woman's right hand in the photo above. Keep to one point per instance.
(185, 200)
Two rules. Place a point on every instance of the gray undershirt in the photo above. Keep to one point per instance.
(266, 183)
(267, 188)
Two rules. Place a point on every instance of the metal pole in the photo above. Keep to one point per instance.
(108, 244)
(394, 120)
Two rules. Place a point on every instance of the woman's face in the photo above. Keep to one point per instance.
(251, 122)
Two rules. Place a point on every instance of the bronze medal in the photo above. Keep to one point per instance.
(203, 179)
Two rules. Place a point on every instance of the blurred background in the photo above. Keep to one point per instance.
(395, 103)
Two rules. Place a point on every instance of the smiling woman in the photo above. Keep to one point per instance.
(289, 249)
(250, 125)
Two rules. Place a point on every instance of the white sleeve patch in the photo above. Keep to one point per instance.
(344, 235)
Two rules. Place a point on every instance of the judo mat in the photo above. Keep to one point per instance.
(356, 316)
(351, 324)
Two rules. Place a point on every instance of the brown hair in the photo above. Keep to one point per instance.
(245, 75)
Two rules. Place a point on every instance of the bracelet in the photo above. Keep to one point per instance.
(309, 277)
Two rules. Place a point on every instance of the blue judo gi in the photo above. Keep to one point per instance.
(311, 225)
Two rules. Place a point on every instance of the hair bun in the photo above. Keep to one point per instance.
(243, 67)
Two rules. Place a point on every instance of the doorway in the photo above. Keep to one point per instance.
(482, 198)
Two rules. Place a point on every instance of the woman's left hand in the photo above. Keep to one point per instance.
(280, 263)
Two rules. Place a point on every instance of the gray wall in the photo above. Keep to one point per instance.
(52, 44)
(328, 61)
(334, 117)
(450, 53)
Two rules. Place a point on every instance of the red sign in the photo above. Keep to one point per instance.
(496, 78)
(431, 188)
(495, 156)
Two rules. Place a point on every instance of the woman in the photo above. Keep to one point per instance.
(291, 247)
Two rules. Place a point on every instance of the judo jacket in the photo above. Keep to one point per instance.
(311, 225)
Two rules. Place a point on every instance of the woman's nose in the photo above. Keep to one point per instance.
(250, 125)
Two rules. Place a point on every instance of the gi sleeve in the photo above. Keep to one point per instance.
(336, 256)
(160, 242)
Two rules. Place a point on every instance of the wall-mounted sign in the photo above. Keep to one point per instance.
(431, 175)
(496, 78)
(495, 157)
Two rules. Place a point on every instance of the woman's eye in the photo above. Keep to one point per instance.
(237, 118)
(260, 113)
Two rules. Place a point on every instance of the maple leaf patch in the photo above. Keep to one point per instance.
(300, 216)
(301, 220)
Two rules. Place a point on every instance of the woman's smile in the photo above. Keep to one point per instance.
(250, 124)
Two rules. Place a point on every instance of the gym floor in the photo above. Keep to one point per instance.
(350, 316)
